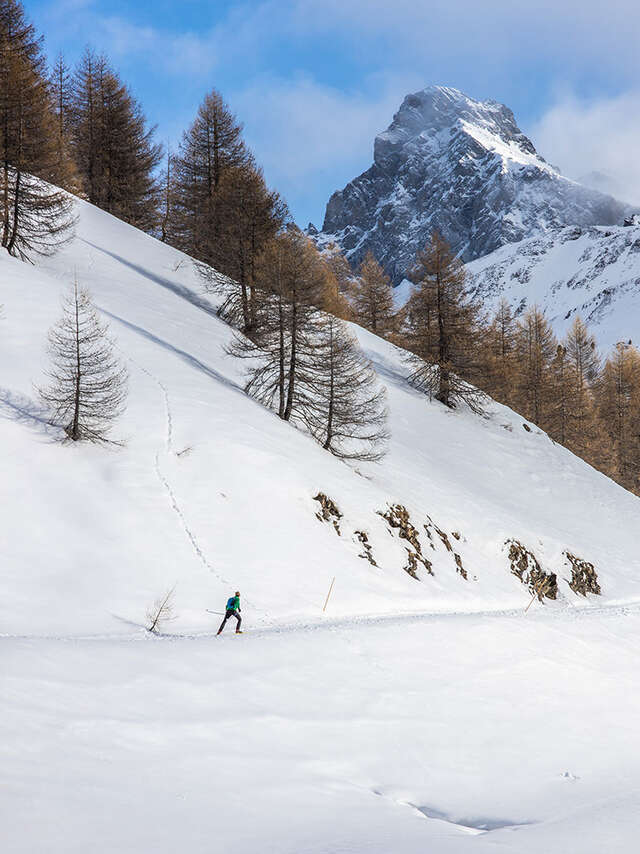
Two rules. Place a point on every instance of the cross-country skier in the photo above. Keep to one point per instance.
(233, 610)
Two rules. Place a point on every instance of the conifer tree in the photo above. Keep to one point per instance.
(618, 402)
(577, 367)
(342, 405)
(536, 347)
(290, 278)
(222, 212)
(500, 360)
(373, 298)
(34, 216)
(87, 382)
(60, 84)
(112, 145)
(212, 145)
(443, 325)
(343, 276)
(249, 217)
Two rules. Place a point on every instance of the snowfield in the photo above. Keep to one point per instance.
(593, 273)
(426, 714)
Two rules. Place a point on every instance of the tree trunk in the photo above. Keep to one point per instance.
(16, 214)
(281, 356)
(443, 349)
(329, 439)
(292, 360)
(75, 427)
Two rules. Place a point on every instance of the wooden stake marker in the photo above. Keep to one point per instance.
(326, 601)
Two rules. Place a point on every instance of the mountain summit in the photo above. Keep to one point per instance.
(464, 167)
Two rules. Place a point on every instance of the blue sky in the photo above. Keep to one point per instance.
(313, 82)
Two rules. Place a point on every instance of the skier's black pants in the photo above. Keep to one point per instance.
(231, 613)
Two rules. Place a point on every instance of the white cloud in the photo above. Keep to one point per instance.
(314, 127)
(573, 33)
(601, 136)
(307, 135)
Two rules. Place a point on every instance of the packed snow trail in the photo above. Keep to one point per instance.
(554, 615)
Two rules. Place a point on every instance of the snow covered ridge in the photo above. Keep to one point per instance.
(213, 493)
(587, 271)
(464, 167)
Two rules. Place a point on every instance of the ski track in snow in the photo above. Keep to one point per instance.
(198, 550)
(164, 480)
(553, 617)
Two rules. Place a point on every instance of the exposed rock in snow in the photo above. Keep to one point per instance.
(464, 167)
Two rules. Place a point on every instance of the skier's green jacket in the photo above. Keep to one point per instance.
(233, 604)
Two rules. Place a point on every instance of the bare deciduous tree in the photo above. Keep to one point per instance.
(87, 382)
(161, 612)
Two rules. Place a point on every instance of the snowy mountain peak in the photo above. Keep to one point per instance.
(433, 117)
(438, 108)
(462, 166)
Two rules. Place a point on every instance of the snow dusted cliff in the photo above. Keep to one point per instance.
(591, 272)
(461, 166)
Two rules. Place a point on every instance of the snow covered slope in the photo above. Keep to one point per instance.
(464, 167)
(593, 272)
(215, 493)
(415, 730)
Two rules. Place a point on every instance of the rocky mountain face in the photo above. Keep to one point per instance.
(461, 166)
(593, 272)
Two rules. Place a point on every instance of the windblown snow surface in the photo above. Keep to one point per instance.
(414, 715)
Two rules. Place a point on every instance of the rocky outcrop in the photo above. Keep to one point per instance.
(525, 566)
(328, 511)
(367, 551)
(397, 517)
(461, 166)
(584, 578)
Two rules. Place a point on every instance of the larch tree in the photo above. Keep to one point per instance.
(618, 402)
(536, 348)
(442, 329)
(113, 146)
(35, 217)
(61, 94)
(499, 344)
(580, 360)
(210, 147)
(290, 277)
(342, 404)
(342, 284)
(250, 215)
(373, 297)
(87, 381)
